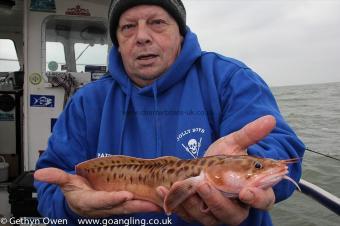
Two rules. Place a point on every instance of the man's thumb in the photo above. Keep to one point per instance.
(52, 176)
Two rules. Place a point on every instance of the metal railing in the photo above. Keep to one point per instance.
(322, 196)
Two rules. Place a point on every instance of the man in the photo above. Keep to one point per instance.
(164, 96)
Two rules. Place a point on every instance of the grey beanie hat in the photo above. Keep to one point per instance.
(174, 7)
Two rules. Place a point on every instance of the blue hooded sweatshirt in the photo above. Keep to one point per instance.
(200, 98)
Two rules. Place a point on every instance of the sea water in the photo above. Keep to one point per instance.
(313, 111)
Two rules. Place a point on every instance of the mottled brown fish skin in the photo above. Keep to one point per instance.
(140, 176)
(143, 176)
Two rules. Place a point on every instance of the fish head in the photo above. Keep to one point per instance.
(265, 173)
(232, 174)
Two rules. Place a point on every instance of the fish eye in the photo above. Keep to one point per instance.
(258, 165)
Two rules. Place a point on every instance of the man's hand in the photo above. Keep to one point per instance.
(220, 209)
(85, 201)
(237, 143)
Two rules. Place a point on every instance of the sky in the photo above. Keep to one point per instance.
(287, 42)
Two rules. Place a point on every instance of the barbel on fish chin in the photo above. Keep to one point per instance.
(228, 174)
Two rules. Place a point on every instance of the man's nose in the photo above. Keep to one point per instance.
(143, 34)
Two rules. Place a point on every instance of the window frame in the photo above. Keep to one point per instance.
(70, 18)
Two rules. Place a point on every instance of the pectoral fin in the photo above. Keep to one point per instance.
(179, 192)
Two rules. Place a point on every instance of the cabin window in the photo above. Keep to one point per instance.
(55, 56)
(8, 56)
(87, 54)
(73, 44)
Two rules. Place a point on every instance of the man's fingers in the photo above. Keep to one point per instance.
(183, 213)
(254, 131)
(162, 192)
(52, 176)
(257, 197)
(136, 206)
(193, 206)
(127, 207)
(236, 143)
(121, 202)
(225, 210)
(104, 200)
(102, 204)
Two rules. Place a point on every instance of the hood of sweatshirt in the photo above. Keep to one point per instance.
(135, 97)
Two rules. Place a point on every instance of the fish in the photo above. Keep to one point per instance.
(227, 173)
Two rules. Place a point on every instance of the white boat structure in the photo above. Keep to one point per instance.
(48, 49)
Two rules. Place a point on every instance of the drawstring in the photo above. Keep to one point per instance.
(158, 140)
(125, 113)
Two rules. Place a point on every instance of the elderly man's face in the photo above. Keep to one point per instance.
(149, 42)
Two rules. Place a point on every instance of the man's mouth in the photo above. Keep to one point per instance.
(147, 56)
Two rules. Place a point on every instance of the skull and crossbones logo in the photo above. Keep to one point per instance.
(193, 147)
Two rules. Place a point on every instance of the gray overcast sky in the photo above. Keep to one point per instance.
(287, 42)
